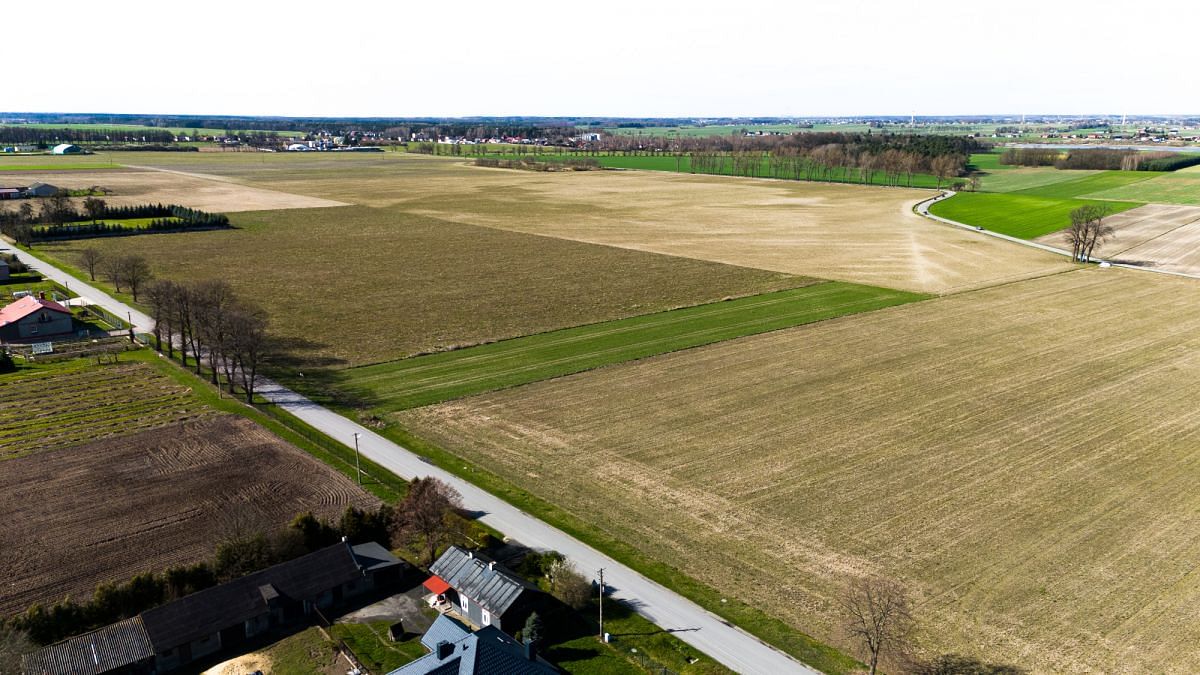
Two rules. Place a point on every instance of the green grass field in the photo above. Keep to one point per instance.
(1018, 179)
(1089, 184)
(1179, 187)
(439, 377)
(1018, 215)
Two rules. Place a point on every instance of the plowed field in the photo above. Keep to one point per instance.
(110, 509)
(1024, 457)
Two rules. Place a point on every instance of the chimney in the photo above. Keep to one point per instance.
(42, 295)
(530, 651)
(492, 565)
(444, 650)
(470, 555)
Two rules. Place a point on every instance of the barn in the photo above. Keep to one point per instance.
(67, 149)
(34, 318)
(42, 190)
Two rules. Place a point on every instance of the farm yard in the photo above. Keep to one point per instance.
(1026, 468)
(60, 405)
(145, 501)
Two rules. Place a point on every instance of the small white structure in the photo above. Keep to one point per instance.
(67, 149)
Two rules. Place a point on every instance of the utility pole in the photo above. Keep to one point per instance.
(357, 467)
(602, 604)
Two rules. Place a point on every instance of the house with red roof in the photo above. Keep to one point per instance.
(31, 319)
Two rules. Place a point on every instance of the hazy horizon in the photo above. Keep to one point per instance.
(537, 58)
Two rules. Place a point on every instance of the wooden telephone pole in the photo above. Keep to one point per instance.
(601, 604)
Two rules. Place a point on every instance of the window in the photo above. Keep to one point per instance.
(462, 601)
(487, 618)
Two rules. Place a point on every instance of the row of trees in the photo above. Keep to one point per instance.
(59, 215)
(206, 320)
(827, 162)
(541, 164)
(1104, 159)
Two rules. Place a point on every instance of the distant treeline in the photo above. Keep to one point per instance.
(43, 137)
(1101, 159)
(924, 145)
(533, 163)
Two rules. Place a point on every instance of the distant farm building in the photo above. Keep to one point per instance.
(42, 190)
(67, 149)
(4, 270)
(12, 193)
(33, 318)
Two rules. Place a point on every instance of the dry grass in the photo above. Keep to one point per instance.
(1022, 456)
(143, 502)
(850, 233)
(198, 191)
(1156, 235)
(363, 285)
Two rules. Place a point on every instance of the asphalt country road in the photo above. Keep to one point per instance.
(725, 643)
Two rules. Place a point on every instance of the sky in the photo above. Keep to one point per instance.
(615, 58)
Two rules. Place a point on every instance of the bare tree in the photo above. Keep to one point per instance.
(879, 617)
(90, 259)
(215, 305)
(114, 269)
(94, 208)
(1087, 229)
(421, 516)
(161, 296)
(247, 345)
(136, 272)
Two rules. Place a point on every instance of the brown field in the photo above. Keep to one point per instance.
(1158, 236)
(148, 186)
(362, 285)
(851, 233)
(144, 502)
(1024, 458)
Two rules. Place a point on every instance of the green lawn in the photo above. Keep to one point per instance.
(370, 644)
(433, 378)
(1178, 187)
(1016, 214)
(987, 161)
(1090, 184)
(1024, 178)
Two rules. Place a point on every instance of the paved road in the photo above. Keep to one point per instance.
(691, 623)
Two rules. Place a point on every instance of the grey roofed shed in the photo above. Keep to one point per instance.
(487, 584)
(116, 646)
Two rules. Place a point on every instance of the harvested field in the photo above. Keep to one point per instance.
(1158, 236)
(845, 232)
(1022, 457)
(144, 502)
(849, 233)
(61, 405)
(424, 284)
(209, 193)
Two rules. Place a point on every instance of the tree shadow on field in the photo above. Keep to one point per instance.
(305, 366)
